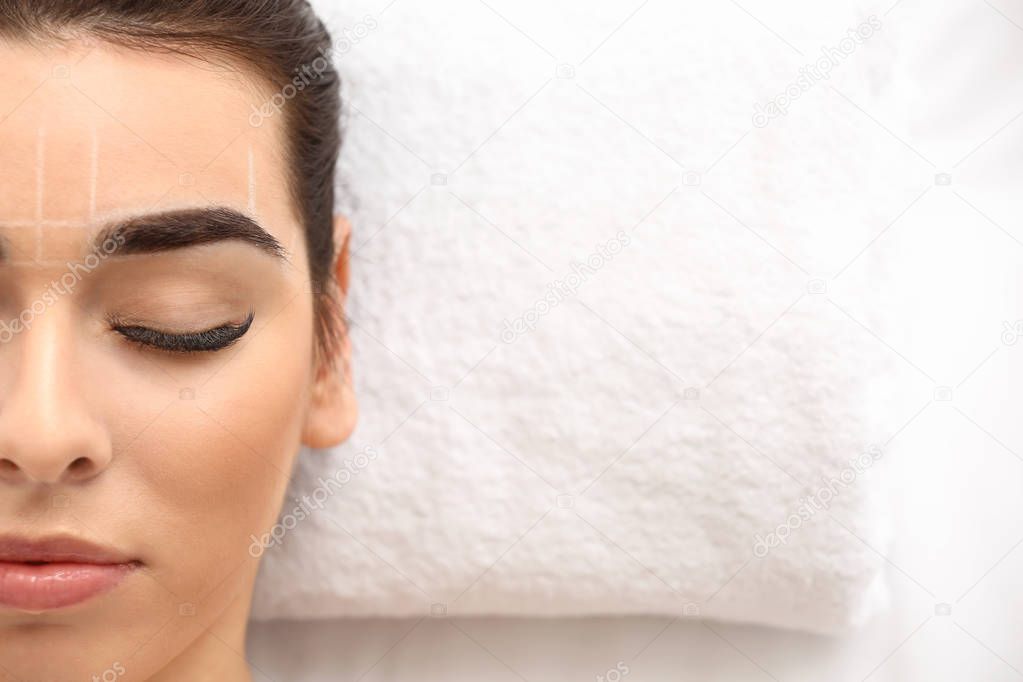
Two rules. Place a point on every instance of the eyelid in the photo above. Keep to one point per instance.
(206, 340)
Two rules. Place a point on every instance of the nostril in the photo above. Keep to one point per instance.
(7, 467)
(79, 466)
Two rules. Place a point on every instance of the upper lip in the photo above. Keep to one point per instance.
(57, 549)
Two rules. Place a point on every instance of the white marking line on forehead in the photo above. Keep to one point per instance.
(93, 171)
(46, 222)
(40, 185)
(39, 262)
(252, 183)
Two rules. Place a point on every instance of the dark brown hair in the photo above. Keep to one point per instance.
(278, 40)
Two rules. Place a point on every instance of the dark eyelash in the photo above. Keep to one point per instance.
(207, 340)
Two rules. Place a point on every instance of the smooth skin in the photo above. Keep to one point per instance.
(175, 460)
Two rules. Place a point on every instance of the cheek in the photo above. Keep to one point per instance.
(215, 464)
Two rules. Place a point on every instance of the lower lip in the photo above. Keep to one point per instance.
(41, 587)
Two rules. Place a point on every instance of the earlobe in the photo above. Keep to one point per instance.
(333, 409)
(333, 412)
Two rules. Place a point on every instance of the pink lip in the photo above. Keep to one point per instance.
(52, 573)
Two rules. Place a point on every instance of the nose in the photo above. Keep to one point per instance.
(47, 434)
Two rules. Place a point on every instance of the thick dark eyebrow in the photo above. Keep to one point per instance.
(168, 230)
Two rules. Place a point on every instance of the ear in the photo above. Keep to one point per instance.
(333, 409)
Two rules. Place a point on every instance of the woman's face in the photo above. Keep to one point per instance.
(166, 450)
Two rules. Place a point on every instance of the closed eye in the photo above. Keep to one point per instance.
(207, 340)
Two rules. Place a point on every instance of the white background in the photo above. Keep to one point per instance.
(954, 103)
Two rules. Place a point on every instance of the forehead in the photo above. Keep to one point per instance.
(90, 132)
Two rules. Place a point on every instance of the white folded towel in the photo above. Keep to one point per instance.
(616, 338)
